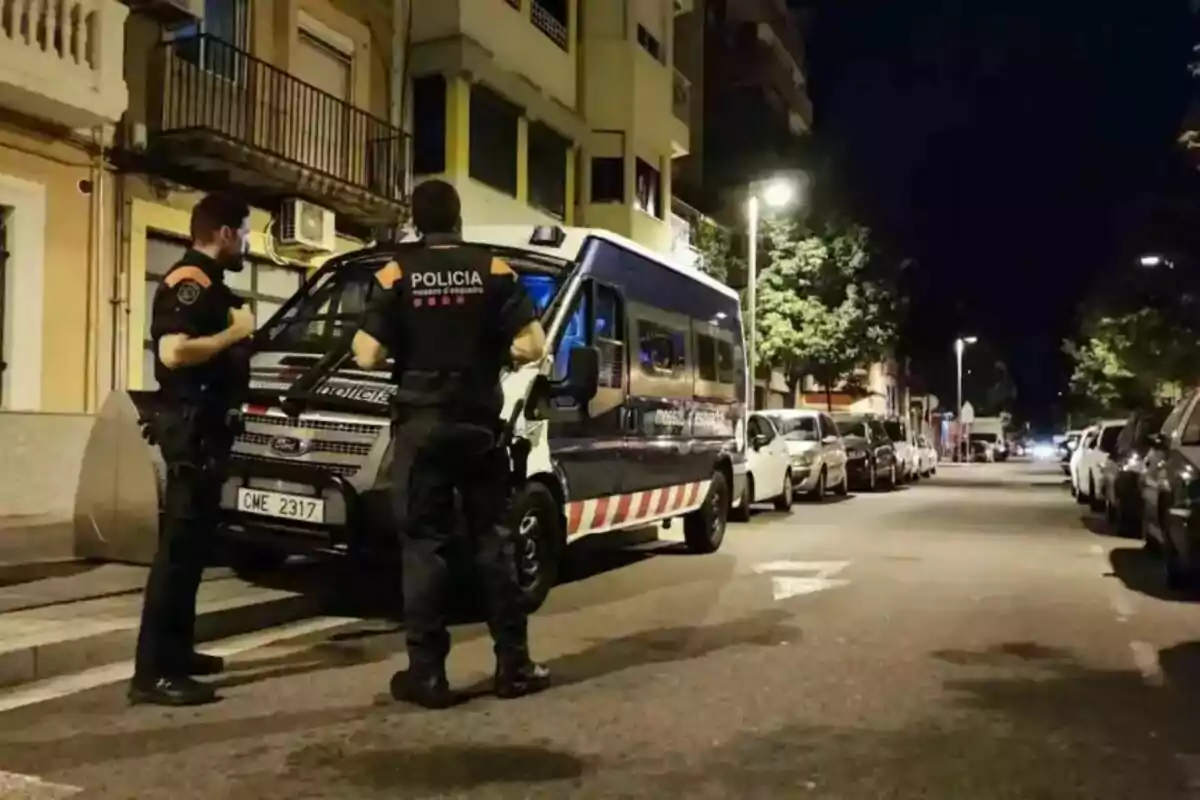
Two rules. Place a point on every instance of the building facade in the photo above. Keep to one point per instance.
(550, 110)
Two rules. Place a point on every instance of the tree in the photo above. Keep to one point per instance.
(822, 310)
(714, 243)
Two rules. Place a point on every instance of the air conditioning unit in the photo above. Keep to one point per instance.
(169, 12)
(307, 227)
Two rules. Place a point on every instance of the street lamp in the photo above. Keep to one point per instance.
(960, 346)
(776, 193)
(1152, 260)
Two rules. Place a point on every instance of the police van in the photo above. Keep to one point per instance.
(637, 418)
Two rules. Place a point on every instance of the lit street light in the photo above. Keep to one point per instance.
(1152, 260)
(960, 346)
(776, 193)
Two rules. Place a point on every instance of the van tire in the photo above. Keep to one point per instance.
(538, 543)
(704, 528)
(742, 512)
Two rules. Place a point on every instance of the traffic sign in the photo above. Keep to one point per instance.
(968, 413)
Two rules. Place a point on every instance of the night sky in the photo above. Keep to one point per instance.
(999, 144)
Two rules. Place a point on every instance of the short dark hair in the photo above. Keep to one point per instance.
(216, 211)
(436, 207)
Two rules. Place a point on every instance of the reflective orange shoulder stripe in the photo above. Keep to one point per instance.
(501, 267)
(389, 275)
(188, 274)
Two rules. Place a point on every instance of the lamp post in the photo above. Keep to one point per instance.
(776, 193)
(960, 347)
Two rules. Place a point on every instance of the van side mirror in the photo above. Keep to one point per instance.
(583, 376)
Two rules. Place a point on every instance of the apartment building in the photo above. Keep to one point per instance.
(550, 110)
(135, 110)
(62, 89)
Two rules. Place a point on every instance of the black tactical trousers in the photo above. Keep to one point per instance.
(188, 521)
(438, 469)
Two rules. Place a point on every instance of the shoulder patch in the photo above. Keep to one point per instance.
(188, 292)
(390, 275)
(194, 274)
(501, 268)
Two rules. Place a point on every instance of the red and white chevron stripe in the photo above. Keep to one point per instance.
(599, 514)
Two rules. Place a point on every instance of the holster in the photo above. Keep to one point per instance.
(190, 436)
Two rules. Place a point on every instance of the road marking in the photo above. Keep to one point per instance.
(1146, 659)
(1122, 606)
(66, 685)
(31, 787)
(1097, 549)
(821, 577)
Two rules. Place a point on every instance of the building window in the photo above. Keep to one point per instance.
(649, 189)
(550, 17)
(548, 169)
(662, 351)
(228, 22)
(649, 43)
(265, 286)
(493, 140)
(608, 180)
(429, 124)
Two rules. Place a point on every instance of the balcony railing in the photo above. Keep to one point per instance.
(681, 96)
(220, 102)
(548, 24)
(63, 60)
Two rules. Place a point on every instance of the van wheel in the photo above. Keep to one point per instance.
(538, 543)
(704, 528)
(787, 494)
(742, 512)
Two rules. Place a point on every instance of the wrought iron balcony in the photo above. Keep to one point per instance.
(229, 119)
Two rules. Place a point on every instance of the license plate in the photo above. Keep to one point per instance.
(281, 506)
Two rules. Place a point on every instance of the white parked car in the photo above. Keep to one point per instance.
(816, 448)
(1098, 444)
(769, 474)
(907, 454)
(927, 457)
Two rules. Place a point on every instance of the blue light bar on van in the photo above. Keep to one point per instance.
(548, 236)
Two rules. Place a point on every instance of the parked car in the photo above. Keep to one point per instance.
(982, 450)
(818, 455)
(1094, 452)
(1066, 449)
(928, 457)
(906, 449)
(870, 454)
(1123, 472)
(769, 475)
(1170, 489)
(1086, 440)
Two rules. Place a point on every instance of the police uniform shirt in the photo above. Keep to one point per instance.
(193, 300)
(449, 308)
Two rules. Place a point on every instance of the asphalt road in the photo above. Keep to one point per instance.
(969, 638)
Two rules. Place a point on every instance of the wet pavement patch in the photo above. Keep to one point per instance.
(440, 769)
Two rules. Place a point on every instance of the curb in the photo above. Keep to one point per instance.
(218, 619)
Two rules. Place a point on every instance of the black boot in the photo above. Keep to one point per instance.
(204, 664)
(425, 688)
(520, 679)
(181, 691)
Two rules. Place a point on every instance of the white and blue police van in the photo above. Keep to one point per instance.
(636, 417)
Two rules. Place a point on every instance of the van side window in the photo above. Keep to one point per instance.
(662, 350)
(706, 358)
(574, 331)
(609, 336)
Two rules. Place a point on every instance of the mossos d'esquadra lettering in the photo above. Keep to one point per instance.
(446, 279)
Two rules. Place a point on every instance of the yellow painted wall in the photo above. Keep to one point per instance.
(71, 268)
(147, 217)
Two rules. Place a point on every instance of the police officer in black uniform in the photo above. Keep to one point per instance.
(453, 317)
(201, 336)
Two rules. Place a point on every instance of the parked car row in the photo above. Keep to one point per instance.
(1143, 472)
(814, 453)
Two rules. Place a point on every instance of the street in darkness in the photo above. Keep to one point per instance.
(974, 636)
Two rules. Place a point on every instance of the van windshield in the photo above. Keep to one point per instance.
(329, 308)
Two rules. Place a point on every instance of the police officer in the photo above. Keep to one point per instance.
(453, 316)
(201, 336)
